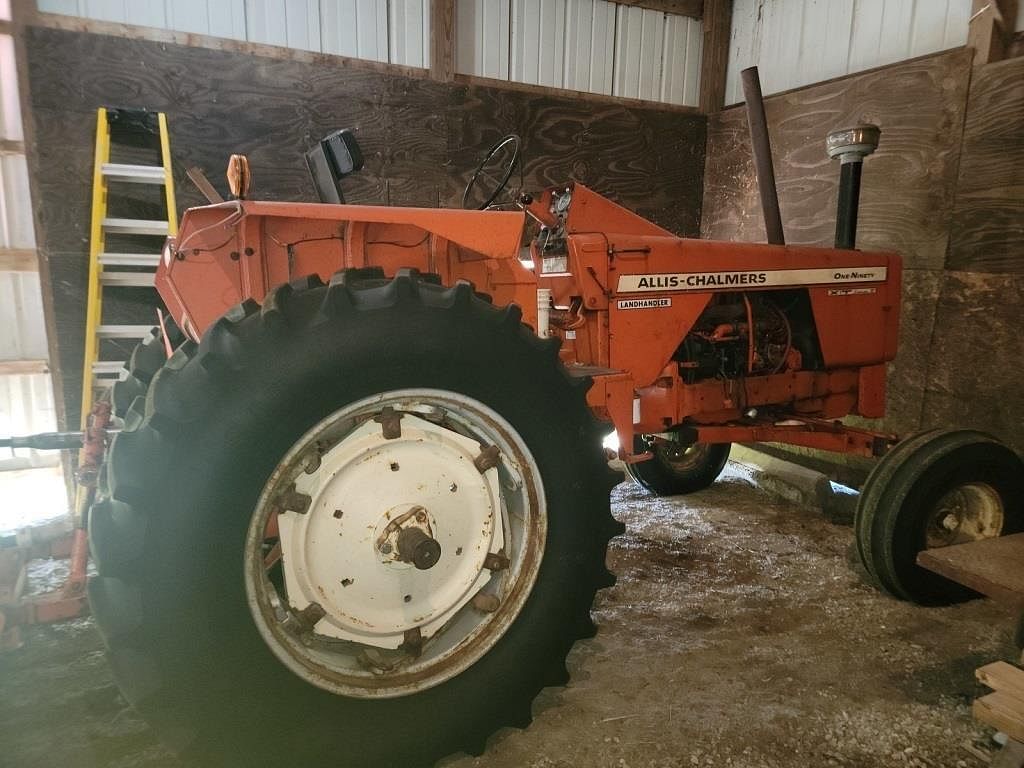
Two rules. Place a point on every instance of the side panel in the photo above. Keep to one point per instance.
(854, 295)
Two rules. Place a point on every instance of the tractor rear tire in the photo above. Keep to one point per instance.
(673, 472)
(173, 598)
(935, 489)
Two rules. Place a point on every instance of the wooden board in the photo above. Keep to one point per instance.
(1002, 712)
(988, 217)
(993, 567)
(1000, 676)
(420, 140)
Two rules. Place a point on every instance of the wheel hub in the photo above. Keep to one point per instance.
(968, 512)
(395, 543)
(376, 575)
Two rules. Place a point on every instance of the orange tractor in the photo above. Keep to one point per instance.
(359, 516)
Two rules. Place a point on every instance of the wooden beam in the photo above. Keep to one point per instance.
(564, 93)
(18, 260)
(23, 367)
(695, 9)
(442, 40)
(714, 61)
(990, 30)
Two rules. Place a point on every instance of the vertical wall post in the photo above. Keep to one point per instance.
(990, 30)
(714, 62)
(442, 40)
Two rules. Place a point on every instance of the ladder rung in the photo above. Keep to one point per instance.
(134, 174)
(108, 367)
(128, 279)
(123, 331)
(151, 260)
(135, 227)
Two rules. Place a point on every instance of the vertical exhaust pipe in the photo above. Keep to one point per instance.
(851, 146)
(762, 156)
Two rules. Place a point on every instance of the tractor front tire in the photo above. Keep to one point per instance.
(935, 489)
(675, 470)
(175, 598)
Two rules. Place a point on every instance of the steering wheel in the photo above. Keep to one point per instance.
(502, 159)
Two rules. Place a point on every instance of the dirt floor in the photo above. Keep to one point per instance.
(738, 635)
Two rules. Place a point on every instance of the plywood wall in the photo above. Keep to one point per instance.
(420, 140)
(978, 338)
(943, 190)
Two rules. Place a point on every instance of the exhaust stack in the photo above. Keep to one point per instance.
(762, 147)
(851, 146)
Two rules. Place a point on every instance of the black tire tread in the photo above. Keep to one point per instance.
(867, 503)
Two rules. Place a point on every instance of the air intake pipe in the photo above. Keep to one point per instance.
(851, 146)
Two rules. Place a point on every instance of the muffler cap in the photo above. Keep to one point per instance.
(853, 144)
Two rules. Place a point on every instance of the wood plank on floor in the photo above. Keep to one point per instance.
(992, 567)
(1003, 712)
(1000, 676)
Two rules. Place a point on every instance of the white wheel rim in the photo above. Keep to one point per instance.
(338, 604)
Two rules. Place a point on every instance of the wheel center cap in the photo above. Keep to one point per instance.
(408, 538)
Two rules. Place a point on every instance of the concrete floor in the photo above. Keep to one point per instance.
(738, 635)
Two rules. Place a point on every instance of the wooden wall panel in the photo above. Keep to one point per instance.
(907, 193)
(974, 371)
(988, 218)
(652, 162)
(420, 140)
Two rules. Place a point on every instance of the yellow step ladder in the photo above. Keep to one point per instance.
(109, 265)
